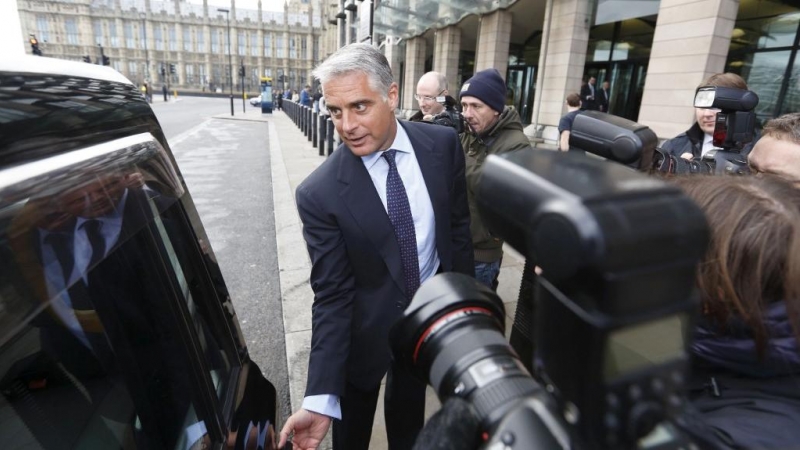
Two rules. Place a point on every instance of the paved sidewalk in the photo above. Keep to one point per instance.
(293, 158)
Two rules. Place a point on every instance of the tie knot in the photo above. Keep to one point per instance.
(92, 226)
(389, 155)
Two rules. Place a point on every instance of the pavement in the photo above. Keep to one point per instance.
(293, 158)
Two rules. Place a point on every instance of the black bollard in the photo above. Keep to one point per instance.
(330, 136)
(300, 117)
(309, 123)
(323, 128)
(313, 129)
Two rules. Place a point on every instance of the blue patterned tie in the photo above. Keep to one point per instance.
(403, 223)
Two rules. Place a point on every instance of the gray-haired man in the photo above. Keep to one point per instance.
(385, 212)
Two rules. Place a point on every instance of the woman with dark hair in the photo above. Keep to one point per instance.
(745, 383)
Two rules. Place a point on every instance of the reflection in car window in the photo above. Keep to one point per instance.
(99, 363)
(100, 274)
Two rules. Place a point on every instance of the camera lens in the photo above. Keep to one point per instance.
(452, 337)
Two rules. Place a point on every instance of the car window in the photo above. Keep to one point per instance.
(110, 330)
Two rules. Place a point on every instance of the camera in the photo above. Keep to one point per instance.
(450, 118)
(734, 128)
(611, 323)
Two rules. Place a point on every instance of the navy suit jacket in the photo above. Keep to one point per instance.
(356, 274)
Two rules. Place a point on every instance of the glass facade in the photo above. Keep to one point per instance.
(619, 53)
(764, 47)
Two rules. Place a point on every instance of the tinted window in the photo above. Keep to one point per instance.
(110, 330)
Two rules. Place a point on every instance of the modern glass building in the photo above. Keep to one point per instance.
(654, 53)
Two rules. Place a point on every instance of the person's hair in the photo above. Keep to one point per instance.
(573, 100)
(784, 128)
(727, 79)
(442, 80)
(358, 58)
(753, 258)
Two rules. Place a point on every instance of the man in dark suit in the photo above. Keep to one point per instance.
(604, 96)
(588, 95)
(385, 212)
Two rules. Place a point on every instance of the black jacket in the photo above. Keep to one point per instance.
(691, 141)
(738, 400)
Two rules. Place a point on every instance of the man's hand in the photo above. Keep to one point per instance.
(309, 429)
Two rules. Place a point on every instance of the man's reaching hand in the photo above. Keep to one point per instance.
(309, 429)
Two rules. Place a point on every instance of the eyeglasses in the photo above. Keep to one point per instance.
(427, 98)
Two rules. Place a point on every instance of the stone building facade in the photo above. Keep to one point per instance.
(189, 41)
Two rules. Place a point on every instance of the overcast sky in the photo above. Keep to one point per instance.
(267, 5)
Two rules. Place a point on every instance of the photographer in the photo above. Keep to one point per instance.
(492, 129)
(697, 140)
(745, 385)
(778, 150)
(435, 103)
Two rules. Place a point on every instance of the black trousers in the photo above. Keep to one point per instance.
(404, 409)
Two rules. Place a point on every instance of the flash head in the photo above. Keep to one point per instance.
(612, 137)
(725, 98)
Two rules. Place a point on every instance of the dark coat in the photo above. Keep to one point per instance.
(587, 100)
(690, 141)
(741, 401)
(357, 275)
(505, 136)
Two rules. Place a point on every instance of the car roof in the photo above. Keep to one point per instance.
(52, 66)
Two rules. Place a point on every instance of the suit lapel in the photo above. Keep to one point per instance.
(359, 196)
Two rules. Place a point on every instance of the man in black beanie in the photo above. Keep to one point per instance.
(492, 128)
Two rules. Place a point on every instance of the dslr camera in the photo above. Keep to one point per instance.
(449, 117)
(734, 128)
(614, 307)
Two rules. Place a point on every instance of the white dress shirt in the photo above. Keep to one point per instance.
(424, 227)
(708, 144)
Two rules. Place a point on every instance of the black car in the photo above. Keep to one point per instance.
(116, 328)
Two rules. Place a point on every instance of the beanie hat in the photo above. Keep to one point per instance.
(487, 86)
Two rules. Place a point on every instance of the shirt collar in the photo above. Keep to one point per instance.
(401, 143)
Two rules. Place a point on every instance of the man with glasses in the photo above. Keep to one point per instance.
(433, 99)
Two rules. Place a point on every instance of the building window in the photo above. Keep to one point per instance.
(190, 74)
(267, 72)
(143, 35)
(214, 41)
(764, 43)
(159, 38)
(303, 48)
(127, 30)
(316, 49)
(173, 40)
(112, 33)
(292, 48)
(98, 32)
(187, 39)
(268, 45)
(202, 74)
(253, 44)
(42, 29)
(279, 46)
(72, 31)
(133, 69)
(201, 42)
(242, 41)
